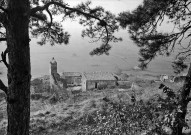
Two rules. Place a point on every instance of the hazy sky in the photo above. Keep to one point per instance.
(73, 27)
(113, 5)
(75, 56)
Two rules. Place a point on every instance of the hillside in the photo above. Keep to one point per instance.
(64, 117)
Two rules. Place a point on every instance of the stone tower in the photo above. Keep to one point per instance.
(57, 86)
(53, 73)
(53, 66)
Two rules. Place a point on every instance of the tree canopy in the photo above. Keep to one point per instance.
(143, 24)
(99, 24)
(20, 20)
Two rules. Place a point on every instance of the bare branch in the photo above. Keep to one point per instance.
(4, 58)
(3, 87)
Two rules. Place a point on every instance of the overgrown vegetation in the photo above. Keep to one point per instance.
(144, 27)
(154, 116)
(107, 111)
(22, 20)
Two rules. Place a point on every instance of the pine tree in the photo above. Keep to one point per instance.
(143, 25)
(20, 20)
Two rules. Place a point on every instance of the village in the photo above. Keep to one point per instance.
(76, 82)
(73, 96)
(61, 102)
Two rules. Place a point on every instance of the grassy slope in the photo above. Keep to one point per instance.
(63, 117)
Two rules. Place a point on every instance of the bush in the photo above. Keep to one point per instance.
(151, 117)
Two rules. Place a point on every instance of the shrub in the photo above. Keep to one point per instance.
(151, 117)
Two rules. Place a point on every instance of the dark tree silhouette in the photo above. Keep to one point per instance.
(143, 25)
(19, 18)
(179, 65)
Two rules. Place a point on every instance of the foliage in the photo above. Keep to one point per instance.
(23, 19)
(179, 65)
(99, 24)
(143, 24)
(155, 116)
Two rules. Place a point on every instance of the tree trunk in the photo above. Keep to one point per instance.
(19, 72)
(184, 100)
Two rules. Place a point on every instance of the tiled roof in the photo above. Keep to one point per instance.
(71, 74)
(99, 76)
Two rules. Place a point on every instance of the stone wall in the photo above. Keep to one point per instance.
(99, 84)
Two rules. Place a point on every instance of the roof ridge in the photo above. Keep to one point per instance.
(99, 76)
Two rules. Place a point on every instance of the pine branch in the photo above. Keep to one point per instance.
(41, 8)
(3, 87)
(102, 23)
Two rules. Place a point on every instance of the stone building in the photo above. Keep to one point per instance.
(97, 80)
(72, 78)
